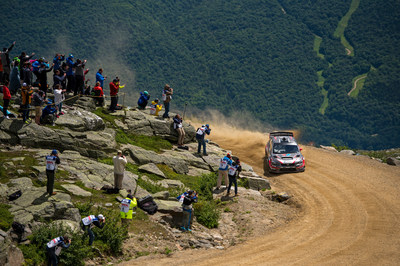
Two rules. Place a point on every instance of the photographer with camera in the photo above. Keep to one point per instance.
(119, 168)
(54, 248)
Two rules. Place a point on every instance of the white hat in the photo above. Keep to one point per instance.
(100, 216)
(24, 84)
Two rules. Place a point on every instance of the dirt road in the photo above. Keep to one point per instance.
(349, 216)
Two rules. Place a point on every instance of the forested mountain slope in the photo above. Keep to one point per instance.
(256, 56)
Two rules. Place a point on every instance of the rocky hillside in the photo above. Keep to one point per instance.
(87, 138)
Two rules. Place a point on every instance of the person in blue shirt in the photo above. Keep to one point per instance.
(70, 73)
(200, 137)
(143, 100)
(56, 243)
(100, 78)
(223, 170)
(57, 61)
(48, 113)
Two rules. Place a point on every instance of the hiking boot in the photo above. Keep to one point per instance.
(205, 154)
(189, 230)
(183, 228)
(236, 195)
(54, 193)
(27, 122)
(228, 193)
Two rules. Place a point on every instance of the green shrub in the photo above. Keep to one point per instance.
(84, 208)
(205, 185)
(243, 182)
(207, 213)
(6, 217)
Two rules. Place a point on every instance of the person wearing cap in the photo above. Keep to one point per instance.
(51, 166)
(200, 137)
(223, 170)
(26, 93)
(119, 168)
(54, 246)
(48, 113)
(155, 108)
(88, 222)
(143, 100)
(127, 206)
(233, 172)
(187, 198)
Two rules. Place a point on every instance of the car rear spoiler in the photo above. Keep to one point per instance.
(281, 133)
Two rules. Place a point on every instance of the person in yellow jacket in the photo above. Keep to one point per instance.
(155, 107)
(127, 206)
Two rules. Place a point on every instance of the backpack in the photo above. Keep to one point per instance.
(18, 228)
(148, 205)
(15, 195)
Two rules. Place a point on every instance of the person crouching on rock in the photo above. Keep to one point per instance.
(155, 107)
(127, 206)
(233, 172)
(119, 168)
(187, 199)
(54, 248)
(89, 222)
(143, 100)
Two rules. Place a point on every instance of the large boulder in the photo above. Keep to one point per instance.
(152, 169)
(75, 190)
(348, 152)
(258, 183)
(393, 161)
(80, 120)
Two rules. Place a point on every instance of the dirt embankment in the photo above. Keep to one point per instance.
(349, 216)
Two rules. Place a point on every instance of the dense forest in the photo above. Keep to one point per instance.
(256, 57)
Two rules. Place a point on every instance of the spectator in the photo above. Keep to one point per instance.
(6, 99)
(99, 94)
(187, 199)
(48, 114)
(79, 77)
(233, 172)
(26, 73)
(70, 73)
(63, 70)
(86, 86)
(119, 168)
(54, 248)
(5, 61)
(127, 206)
(58, 78)
(15, 81)
(58, 58)
(59, 98)
(223, 170)
(26, 93)
(200, 137)
(51, 166)
(89, 222)
(42, 75)
(167, 97)
(37, 101)
(37, 65)
(114, 88)
(100, 78)
(143, 100)
(155, 107)
(181, 132)
(23, 58)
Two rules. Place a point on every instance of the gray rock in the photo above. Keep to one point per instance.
(193, 171)
(22, 216)
(393, 161)
(108, 204)
(348, 152)
(163, 195)
(329, 148)
(281, 197)
(170, 183)
(258, 183)
(166, 206)
(23, 184)
(86, 103)
(80, 120)
(152, 169)
(72, 225)
(77, 191)
(14, 256)
(72, 214)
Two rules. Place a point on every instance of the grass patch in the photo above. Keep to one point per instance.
(325, 103)
(103, 113)
(6, 217)
(383, 155)
(9, 167)
(152, 143)
(317, 44)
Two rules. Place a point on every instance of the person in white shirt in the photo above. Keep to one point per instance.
(119, 168)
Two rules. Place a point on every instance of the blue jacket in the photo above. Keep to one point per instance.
(37, 65)
(71, 64)
(143, 99)
(57, 62)
(48, 110)
(229, 163)
(100, 78)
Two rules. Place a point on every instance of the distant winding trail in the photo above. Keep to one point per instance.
(350, 213)
(355, 84)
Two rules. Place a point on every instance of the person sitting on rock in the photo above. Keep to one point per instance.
(143, 100)
(155, 107)
(179, 128)
(48, 113)
(90, 221)
(233, 172)
(200, 137)
(187, 199)
(223, 170)
(54, 248)
(127, 206)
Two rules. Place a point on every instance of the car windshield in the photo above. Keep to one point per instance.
(284, 148)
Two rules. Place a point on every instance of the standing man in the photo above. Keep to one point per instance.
(51, 166)
(26, 93)
(119, 168)
(89, 222)
(167, 97)
(5, 61)
(200, 137)
(100, 78)
(127, 206)
(223, 170)
(70, 73)
(179, 128)
(233, 172)
(114, 88)
(54, 248)
(187, 199)
(6, 98)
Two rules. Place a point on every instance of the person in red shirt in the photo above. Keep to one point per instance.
(114, 87)
(6, 99)
(99, 94)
